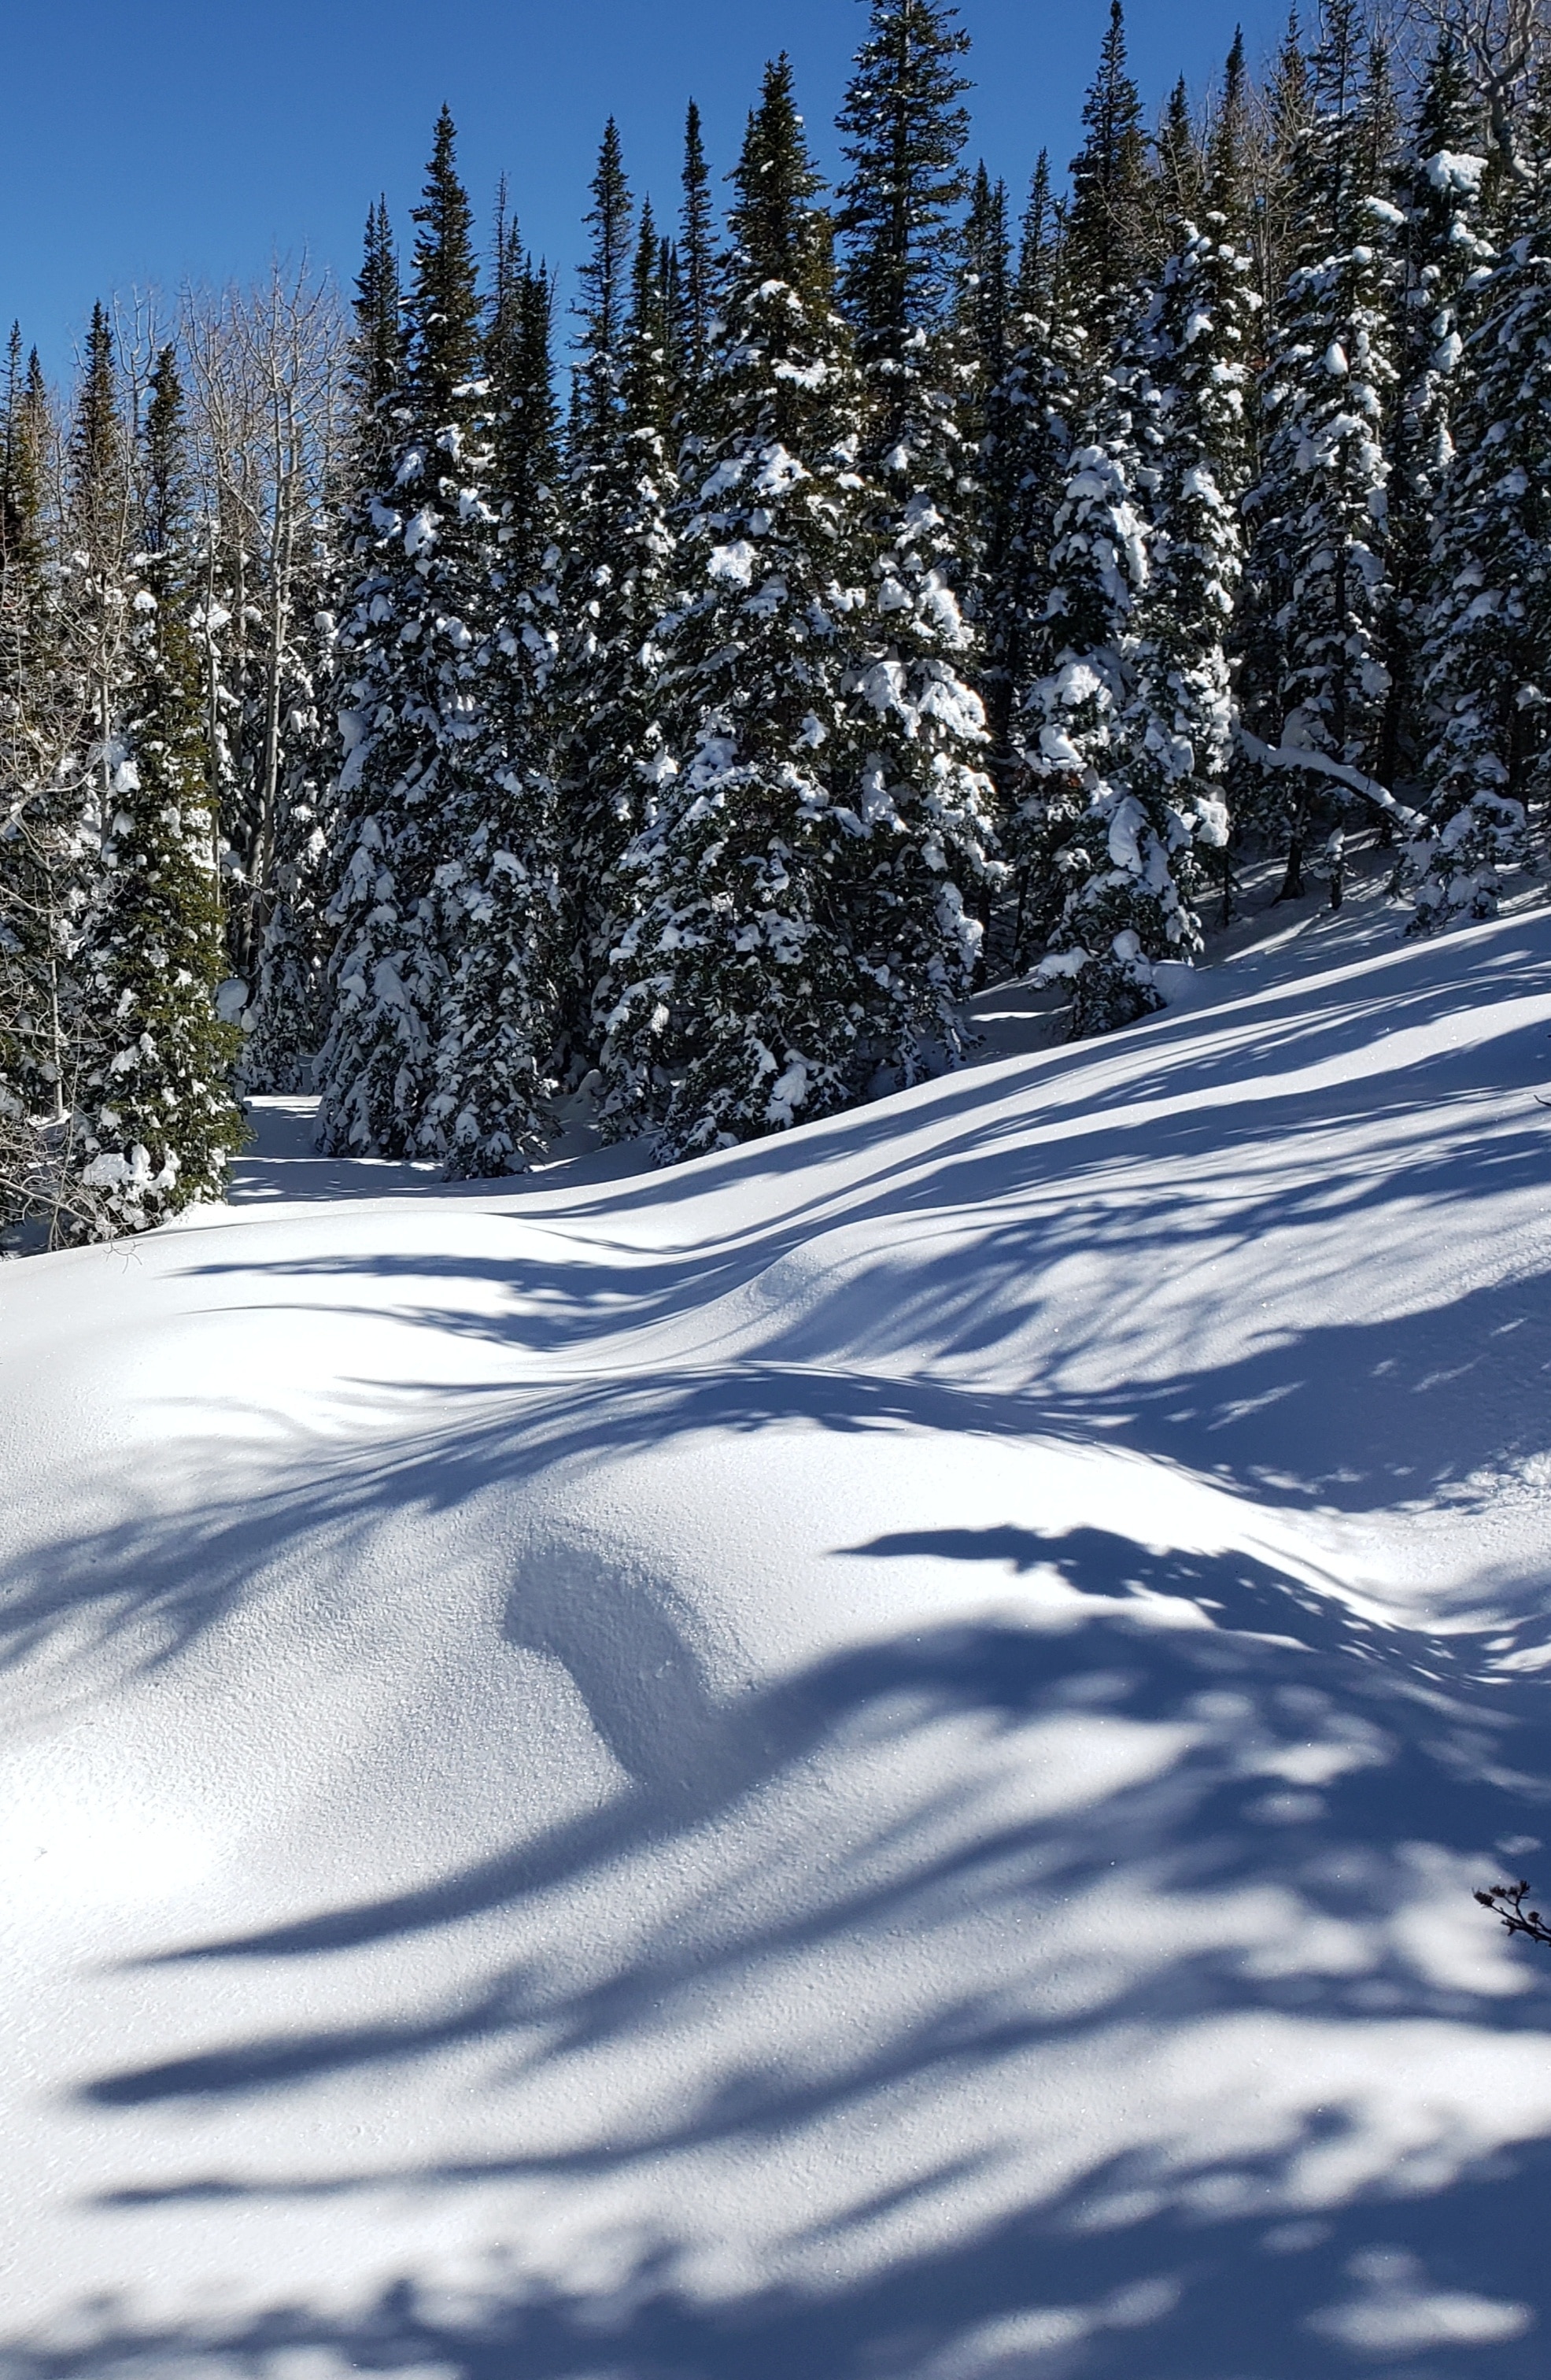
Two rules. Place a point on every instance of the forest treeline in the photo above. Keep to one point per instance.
(904, 568)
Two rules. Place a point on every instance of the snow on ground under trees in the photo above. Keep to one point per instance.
(865, 1758)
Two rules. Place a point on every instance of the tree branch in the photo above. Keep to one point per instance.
(1507, 1901)
(1295, 756)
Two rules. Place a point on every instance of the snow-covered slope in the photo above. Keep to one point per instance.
(863, 1760)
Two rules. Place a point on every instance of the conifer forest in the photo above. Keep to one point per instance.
(459, 700)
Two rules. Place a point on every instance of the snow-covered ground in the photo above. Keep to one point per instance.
(860, 1761)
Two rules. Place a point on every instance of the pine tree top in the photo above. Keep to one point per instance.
(906, 131)
(1111, 195)
(445, 307)
(97, 435)
(779, 234)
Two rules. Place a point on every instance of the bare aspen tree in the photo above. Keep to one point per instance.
(266, 380)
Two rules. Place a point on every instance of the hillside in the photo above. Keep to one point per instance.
(863, 1758)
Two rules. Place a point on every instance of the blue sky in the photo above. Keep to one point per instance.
(197, 137)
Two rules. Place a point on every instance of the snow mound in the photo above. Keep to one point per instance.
(862, 1759)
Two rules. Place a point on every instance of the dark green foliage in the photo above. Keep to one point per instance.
(605, 278)
(158, 1120)
(1440, 188)
(415, 704)
(695, 255)
(377, 349)
(904, 133)
(1108, 221)
(445, 309)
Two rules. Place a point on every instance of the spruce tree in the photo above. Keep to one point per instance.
(903, 128)
(45, 852)
(1441, 190)
(923, 292)
(500, 896)
(1198, 344)
(413, 649)
(797, 932)
(615, 586)
(696, 262)
(1481, 665)
(1108, 221)
(1034, 426)
(377, 348)
(158, 1121)
(1321, 505)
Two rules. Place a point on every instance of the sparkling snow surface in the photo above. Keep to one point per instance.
(860, 1761)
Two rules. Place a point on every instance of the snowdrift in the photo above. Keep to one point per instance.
(862, 1759)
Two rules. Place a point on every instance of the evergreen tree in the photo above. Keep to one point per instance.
(903, 248)
(796, 923)
(377, 346)
(45, 853)
(1182, 166)
(41, 871)
(1032, 431)
(1107, 227)
(1322, 507)
(981, 331)
(413, 652)
(1481, 665)
(501, 897)
(926, 296)
(158, 1120)
(1441, 189)
(1198, 343)
(605, 278)
(695, 312)
(616, 584)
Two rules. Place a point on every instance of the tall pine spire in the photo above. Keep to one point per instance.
(158, 1118)
(1107, 219)
(413, 652)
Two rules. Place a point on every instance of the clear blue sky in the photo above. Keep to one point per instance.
(172, 138)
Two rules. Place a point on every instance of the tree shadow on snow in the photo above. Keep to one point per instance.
(1330, 1783)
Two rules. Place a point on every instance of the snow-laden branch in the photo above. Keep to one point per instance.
(1295, 756)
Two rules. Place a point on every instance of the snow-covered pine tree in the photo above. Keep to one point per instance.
(1273, 143)
(1482, 666)
(1032, 427)
(1197, 347)
(1440, 188)
(606, 683)
(378, 346)
(928, 329)
(44, 858)
(524, 421)
(157, 1121)
(291, 1003)
(503, 1012)
(413, 649)
(740, 1004)
(612, 582)
(981, 327)
(798, 933)
(1082, 837)
(693, 319)
(1321, 505)
(904, 129)
(39, 858)
(1108, 221)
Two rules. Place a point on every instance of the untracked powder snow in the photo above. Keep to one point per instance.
(863, 1758)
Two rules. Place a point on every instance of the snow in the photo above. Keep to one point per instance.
(863, 1757)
